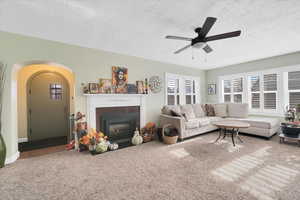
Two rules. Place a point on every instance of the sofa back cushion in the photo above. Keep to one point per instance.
(188, 111)
(198, 110)
(170, 110)
(221, 110)
(239, 110)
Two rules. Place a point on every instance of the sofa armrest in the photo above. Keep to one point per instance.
(177, 122)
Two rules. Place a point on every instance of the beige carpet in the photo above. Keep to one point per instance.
(195, 169)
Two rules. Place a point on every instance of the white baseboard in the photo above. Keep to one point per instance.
(12, 158)
(20, 140)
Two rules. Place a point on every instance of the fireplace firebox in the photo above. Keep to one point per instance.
(118, 123)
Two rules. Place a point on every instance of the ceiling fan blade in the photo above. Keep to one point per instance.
(223, 36)
(209, 22)
(178, 38)
(207, 49)
(182, 49)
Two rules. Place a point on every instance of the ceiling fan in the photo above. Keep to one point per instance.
(201, 40)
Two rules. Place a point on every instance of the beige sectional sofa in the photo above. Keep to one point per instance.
(191, 120)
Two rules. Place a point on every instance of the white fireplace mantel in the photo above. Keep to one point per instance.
(95, 101)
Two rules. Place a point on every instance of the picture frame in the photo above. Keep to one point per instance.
(140, 87)
(105, 86)
(212, 89)
(120, 79)
(94, 88)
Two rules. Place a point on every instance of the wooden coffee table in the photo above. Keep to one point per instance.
(230, 127)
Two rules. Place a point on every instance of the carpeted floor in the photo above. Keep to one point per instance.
(194, 169)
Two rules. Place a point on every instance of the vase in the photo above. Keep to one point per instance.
(2, 151)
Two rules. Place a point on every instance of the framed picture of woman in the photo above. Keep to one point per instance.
(120, 79)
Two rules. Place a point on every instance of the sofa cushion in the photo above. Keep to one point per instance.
(260, 122)
(204, 121)
(167, 110)
(210, 111)
(188, 111)
(239, 110)
(192, 123)
(220, 110)
(198, 110)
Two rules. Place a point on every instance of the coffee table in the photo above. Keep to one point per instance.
(230, 127)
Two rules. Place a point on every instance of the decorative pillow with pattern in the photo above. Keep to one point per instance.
(188, 112)
(210, 111)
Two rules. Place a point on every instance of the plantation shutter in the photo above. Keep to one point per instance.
(294, 87)
(255, 91)
(173, 90)
(238, 85)
(227, 86)
(188, 91)
(270, 91)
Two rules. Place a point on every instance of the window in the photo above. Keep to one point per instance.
(55, 91)
(233, 90)
(181, 89)
(294, 87)
(173, 91)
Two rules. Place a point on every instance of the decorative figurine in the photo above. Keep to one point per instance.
(137, 139)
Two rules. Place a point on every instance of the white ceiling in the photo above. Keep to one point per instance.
(138, 27)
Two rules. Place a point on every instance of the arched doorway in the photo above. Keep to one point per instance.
(47, 111)
(25, 74)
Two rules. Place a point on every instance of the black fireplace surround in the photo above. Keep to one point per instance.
(119, 123)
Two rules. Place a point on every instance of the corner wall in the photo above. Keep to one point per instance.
(258, 65)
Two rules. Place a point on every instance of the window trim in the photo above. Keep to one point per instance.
(182, 94)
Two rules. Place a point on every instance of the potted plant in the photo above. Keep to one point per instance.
(2, 143)
(169, 134)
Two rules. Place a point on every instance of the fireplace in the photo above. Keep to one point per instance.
(118, 123)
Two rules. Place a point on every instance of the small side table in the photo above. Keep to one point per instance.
(282, 138)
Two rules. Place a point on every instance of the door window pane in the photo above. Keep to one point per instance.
(55, 91)
(294, 98)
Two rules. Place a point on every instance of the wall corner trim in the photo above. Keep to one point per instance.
(12, 158)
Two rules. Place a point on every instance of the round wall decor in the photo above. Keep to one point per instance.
(155, 84)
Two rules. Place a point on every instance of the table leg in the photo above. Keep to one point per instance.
(238, 136)
(225, 133)
(220, 133)
(232, 137)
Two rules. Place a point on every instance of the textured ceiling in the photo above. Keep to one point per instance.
(138, 27)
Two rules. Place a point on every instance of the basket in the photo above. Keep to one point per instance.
(168, 139)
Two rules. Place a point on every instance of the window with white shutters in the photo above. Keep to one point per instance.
(294, 87)
(181, 89)
(270, 91)
(233, 90)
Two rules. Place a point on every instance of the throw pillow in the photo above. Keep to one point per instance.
(210, 111)
(176, 114)
(198, 110)
(221, 110)
(188, 112)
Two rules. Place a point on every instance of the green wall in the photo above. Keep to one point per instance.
(87, 64)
